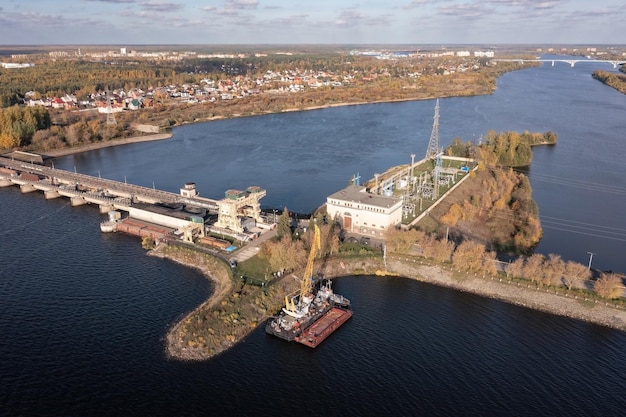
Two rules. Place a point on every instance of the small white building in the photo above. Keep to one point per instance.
(359, 211)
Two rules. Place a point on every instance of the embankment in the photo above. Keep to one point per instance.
(233, 311)
(213, 269)
(106, 144)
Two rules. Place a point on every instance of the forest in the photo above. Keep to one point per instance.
(18, 125)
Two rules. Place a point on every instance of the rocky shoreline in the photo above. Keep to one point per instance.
(549, 300)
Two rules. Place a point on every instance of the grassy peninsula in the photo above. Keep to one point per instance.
(235, 308)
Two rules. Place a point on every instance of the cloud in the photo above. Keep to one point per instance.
(417, 3)
(114, 1)
(35, 19)
(528, 4)
(241, 4)
(349, 18)
(233, 8)
(288, 21)
(464, 10)
(160, 6)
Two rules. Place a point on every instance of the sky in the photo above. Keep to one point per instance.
(159, 22)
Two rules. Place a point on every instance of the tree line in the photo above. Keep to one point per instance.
(18, 125)
(617, 81)
(288, 251)
(83, 78)
(473, 257)
(508, 149)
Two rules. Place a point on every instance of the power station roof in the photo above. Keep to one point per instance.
(358, 194)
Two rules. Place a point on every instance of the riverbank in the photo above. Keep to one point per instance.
(106, 144)
(549, 300)
(162, 136)
(216, 272)
(186, 340)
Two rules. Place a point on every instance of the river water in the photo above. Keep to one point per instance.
(83, 314)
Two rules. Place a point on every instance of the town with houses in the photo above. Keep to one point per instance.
(209, 90)
(234, 87)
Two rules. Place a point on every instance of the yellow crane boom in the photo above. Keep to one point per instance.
(307, 280)
(306, 284)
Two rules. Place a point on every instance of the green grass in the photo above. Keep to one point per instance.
(255, 268)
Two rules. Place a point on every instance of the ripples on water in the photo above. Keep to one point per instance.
(83, 314)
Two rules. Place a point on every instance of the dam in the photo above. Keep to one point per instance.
(188, 214)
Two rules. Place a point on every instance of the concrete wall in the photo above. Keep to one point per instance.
(156, 218)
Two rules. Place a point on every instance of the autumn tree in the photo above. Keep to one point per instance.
(515, 269)
(469, 256)
(438, 249)
(285, 253)
(458, 148)
(19, 124)
(329, 238)
(452, 217)
(533, 268)
(403, 241)
(609, 285)
(489, 263)
(553, 270)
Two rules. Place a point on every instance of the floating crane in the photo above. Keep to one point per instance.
(313, 313)
(306, 285)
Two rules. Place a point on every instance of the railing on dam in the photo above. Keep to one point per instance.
(92, 189)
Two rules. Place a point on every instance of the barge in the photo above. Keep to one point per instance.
(311, 325)
(323, 327)
(313, 313)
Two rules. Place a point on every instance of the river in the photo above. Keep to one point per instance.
(83, 314)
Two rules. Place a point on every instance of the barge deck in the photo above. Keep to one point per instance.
(323, 327)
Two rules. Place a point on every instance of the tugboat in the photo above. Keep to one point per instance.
(313, 313)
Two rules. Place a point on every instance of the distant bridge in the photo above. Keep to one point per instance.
(571, 62)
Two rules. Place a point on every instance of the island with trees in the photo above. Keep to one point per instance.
(616, 81)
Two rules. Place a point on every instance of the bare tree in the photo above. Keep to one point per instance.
(516, 268)
(533, 267)
(553, 270)
(575, 274)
